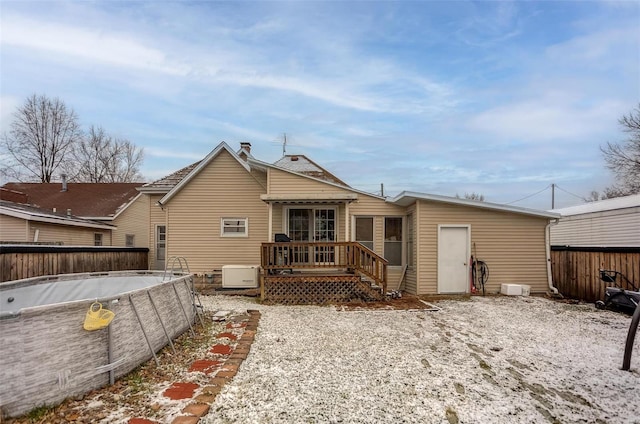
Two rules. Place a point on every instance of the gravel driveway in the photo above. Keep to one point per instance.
(483, 360)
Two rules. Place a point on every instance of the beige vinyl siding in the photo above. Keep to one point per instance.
(512, 245)
(260, 177)
(277, 216)
(13, 229)
(157, 216)
(611, 228)
(20, 230)
(222, 189)
(68, 235)
(133, 220)
(373, 206)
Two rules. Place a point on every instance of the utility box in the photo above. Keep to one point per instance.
(240, 276)
(515, 289)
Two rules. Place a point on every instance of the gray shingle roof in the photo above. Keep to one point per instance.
(303, 165)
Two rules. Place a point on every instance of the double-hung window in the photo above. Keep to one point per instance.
(234, 227)
(393, 240)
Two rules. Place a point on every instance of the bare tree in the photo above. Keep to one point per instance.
(472, 196)
(40, 139)
(594, 196)
(624, 158)
(100, 158)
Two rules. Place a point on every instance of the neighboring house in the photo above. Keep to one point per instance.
(118, 212)
(220, 210)
(608, 223)
(21, 223)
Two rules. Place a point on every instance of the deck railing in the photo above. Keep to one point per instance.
(352, 256)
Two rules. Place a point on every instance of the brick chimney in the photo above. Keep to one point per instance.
(246, 145)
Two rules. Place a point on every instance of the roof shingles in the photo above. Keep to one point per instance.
(91, 200)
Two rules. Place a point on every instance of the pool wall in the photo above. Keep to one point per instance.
(46, 356)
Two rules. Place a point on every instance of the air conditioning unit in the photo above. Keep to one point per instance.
(515, 289)
(240, 276)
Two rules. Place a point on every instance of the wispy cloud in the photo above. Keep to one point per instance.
(544, 120)
(85, 44)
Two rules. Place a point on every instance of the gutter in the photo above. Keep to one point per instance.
(547, 239)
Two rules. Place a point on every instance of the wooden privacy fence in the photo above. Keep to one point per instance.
(576, 270)
(25, 261)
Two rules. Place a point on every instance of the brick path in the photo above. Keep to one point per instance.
(221, 365)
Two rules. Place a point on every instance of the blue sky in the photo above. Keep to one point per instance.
(499, 98)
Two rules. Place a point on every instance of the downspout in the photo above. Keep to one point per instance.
(547, 240)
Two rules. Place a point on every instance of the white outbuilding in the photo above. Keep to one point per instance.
(609, 223)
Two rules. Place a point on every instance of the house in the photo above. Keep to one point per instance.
(606, 223)
(94, 214)
(227, 209)
(21, 223)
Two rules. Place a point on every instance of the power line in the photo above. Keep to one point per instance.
(531, 195)
(572, 194)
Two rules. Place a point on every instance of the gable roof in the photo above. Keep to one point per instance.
(625, 202)
(303, 165)
(408, 197)
(88, 200)
(264, 165)
(31, 213)
(189, 172)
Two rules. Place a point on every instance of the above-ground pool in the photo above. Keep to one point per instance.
(45, 353)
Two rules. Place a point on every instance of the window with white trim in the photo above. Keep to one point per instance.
(234, 227)
(393, 240)
(97, 239)
(364, 230)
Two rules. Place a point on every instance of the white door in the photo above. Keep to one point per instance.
(161, 245)
(453, 259)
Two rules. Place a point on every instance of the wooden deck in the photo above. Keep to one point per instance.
(299, 273)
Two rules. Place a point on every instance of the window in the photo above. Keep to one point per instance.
(410, 259)
(299, 224)
(97, 239)
(393, 240)
(234, 227)
(130, 240)
(364, 231)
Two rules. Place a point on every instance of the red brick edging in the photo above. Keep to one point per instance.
(225, 371)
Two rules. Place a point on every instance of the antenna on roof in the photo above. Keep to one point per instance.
(284, 145)
(284, 141)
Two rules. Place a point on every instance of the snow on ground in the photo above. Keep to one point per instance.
(483, 360)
